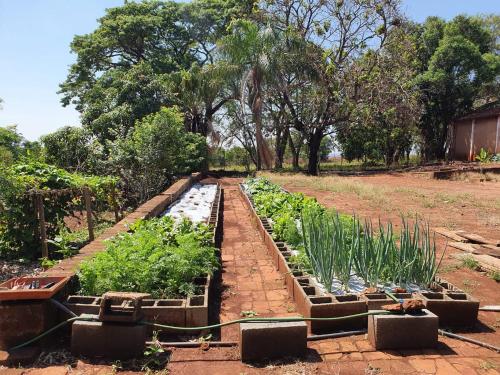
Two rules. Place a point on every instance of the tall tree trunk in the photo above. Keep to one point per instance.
(295, 152)
(314, 146)
(264, 155)
(280, 147)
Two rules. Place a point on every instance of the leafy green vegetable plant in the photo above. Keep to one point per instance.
(484, 156)
(160, 257)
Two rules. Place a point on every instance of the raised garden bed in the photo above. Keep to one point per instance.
(190, 311)
(313, 301)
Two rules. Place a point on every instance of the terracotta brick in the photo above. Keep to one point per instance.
(54, 370)
(464, 369)
(329, 347)
(354, 356)
(425, 366)
(332, 356)
(364, 346)
(430, 353)
(347, 346)
(373, 356)
(445, 368)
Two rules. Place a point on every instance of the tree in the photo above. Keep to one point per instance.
(10, 144)
(457, 61)
(388, 108)
(157, 149)
(123, 68)
(68, 148)
(490, 91)
(324, 38)
(251, 48)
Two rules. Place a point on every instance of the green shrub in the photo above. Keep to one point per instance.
(157, 149)
(19, 227)
(158, 257)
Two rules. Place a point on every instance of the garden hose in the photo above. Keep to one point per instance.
(89, 317)
(468, 339)
(393, 297)
(50, 330)
(60, 306)
(263, 320)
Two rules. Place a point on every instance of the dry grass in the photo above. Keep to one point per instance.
(377, 196)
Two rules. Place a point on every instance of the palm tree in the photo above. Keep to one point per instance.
(251, 48)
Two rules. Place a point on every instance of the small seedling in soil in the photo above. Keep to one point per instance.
(470, 263)
(469, 285)
(154, 354)
(370, 370)
(248, 314)
(204, 338)
(449, 268)
(495, 275)
(487, 365)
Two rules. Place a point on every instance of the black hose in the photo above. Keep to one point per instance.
(335, 335)
(63, 308)
(472, 341)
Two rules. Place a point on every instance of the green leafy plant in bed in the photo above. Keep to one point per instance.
(159, 256)
(282, 208)
(331, 245)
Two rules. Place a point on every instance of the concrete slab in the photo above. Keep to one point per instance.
(259, 341)
(111, 340)
(403, 331)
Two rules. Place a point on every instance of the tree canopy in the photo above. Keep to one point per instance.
(278, 79)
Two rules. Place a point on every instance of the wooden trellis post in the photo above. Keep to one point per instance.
(115, 204)
(88, 208)
(41, 219)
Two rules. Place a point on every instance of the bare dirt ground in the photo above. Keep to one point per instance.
(469, 204)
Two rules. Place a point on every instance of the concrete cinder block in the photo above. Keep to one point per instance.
(121, 307)
(375, 301)
(84, 304)
(454, 309)
(403, 331)
(335, 306)
(165, 311)
(259, 341)
(111, 340)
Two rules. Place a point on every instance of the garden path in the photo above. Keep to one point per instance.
(251, 283)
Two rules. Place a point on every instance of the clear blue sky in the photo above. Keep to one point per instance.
(34, 58)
